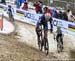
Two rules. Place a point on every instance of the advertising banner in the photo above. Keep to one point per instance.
(32, 18)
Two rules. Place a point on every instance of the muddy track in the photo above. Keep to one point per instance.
(13, 50)
(31, 36)
(15, 47)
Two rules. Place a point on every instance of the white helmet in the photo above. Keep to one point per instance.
(58, 28)
(47, 16)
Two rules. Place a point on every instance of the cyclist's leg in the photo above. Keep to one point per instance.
(58, 43)
(46, 45)
(61, 40)
(9, 16)
(61, 43)
(57, 37)
(51, 30)
(12, 18)
(38, 38)
(46, 37)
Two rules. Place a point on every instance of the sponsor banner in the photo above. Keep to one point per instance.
(32, 18)
(71, 27)
(19, 13)
(66, 27)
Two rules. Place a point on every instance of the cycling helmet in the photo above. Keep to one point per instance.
(58, 28)
(9, 6)
(47, 16)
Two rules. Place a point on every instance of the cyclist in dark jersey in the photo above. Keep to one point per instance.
(10, 13)
(59, 34)
(59, 37)
(44, 23)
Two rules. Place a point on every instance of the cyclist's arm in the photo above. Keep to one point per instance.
(54, 35)
(51, 22)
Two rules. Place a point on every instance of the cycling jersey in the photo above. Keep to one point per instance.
(10, 10)
(59, 32)
(43, 21)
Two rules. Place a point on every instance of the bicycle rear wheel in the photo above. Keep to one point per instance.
(60, 45)
(46, 46)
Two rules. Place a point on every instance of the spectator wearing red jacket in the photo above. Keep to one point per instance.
(47, 10)
(25, 6)
(37, 7)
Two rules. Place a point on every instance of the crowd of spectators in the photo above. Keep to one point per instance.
(3, 2)
(66, 15)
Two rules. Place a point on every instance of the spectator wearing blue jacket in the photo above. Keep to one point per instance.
(18, 4)
(54, 13)
(22, 1)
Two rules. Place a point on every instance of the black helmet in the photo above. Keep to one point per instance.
(9, 6)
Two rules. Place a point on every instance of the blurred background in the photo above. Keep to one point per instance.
(64, 4)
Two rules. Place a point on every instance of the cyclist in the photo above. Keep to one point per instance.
(59, 38)
(10, 13)
(43, 22)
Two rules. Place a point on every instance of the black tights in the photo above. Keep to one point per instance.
(61, 39)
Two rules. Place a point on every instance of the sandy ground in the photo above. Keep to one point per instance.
(22, 46)
(7, 27)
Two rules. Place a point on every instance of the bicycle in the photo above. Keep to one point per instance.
(43, 42)
(59, 40)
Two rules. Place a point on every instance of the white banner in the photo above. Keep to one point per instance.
(67, 27)
(32, 18)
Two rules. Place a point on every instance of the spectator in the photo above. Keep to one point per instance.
(37, 7)
(70, 16)
(60, 15)
(21, 2)
(54, 13)
(25, 6)
(65, 17)
(40, 4)
(3, 2)
(18, 4)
